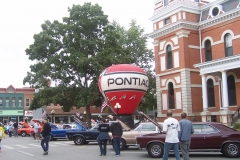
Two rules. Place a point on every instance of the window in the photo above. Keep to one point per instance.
(148, 127)
(203, 128)
(27, 102)
(198, 128)
(231, 91)
(10, 90)
(208, 50)
(215, 11)
(7, 102)
(209, 129)
(228, 45)
(210, 93)
(166, 2)
(1, 103)
(169, 57)
(13, 102)
(171, 95)
(20, 102)
(167, 21)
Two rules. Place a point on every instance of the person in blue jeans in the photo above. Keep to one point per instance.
(103, 137)
(117, 131)
(171, 127)
(45, 137)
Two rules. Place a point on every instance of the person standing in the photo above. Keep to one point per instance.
(185, 135)
(45, 136)
(36, 133)
(103, 137)
(2, 135)
(10, 128)
(117, 131)
(15, 126)
(171, 128)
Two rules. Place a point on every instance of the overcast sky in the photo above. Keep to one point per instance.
(21, 19)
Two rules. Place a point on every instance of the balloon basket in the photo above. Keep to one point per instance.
(127, 119)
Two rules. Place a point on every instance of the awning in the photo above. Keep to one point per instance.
(11, 113)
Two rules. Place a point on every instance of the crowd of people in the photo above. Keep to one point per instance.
(178, 133)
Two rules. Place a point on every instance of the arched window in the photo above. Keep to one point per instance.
(208, 50)
(231, 91)
(171, 96)
(228, 45)
(169, 57)
(210, 93)
(166, 2)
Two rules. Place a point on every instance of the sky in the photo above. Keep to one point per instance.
(21, 19)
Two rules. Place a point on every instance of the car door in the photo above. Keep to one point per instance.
(198, 138)
(144, 128)
(213, 137)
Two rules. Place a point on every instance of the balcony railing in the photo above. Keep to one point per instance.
(235, 116)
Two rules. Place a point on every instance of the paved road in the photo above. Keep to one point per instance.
(25, 148)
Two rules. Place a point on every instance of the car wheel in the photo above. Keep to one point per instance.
(23, 134)
(155, 150)
(231, 150)
(79, 140)
(122, 144)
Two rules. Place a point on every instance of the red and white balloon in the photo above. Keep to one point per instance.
(123, 86)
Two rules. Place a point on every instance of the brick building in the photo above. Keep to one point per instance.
(197, 58)
(14, 102)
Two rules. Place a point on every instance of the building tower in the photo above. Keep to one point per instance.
(190, 36)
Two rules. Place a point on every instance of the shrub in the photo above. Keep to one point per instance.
(236, 126)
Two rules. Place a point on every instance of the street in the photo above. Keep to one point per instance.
(25, 148)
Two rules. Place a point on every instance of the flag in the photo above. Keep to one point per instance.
(43, 113)
(77, 114)
(104, 104)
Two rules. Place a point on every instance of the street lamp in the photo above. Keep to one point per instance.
(117, 106)
(53, 113)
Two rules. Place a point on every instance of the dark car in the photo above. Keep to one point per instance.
(208, 136)
(81, 137)
(61, 133)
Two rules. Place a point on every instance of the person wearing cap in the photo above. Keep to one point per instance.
(45, 136)
(2, 134)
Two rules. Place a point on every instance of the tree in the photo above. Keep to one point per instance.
(73, 53)
(135, 42)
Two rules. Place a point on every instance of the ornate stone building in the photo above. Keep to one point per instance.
(197, 58)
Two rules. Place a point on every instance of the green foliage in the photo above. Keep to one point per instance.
(73, 53)
(236, 126)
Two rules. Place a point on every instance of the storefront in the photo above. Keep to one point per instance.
(11, 115)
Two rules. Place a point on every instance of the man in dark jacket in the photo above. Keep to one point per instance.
(15, 126)
(117, 131)
(45, 136)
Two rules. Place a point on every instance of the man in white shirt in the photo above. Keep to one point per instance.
(37, 134)
(171, 127)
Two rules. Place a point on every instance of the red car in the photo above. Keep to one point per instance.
(208, 136)
(24, 129)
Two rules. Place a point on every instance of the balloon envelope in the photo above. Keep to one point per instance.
(123, 87)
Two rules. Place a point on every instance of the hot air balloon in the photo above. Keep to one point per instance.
(123, 86)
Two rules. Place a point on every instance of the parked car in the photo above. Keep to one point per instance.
(129, 137)
(61, 133)
(57, 133)
(208, 136)
(81, 137)
(24, 129)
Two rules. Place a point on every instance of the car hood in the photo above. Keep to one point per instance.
(25, 124)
